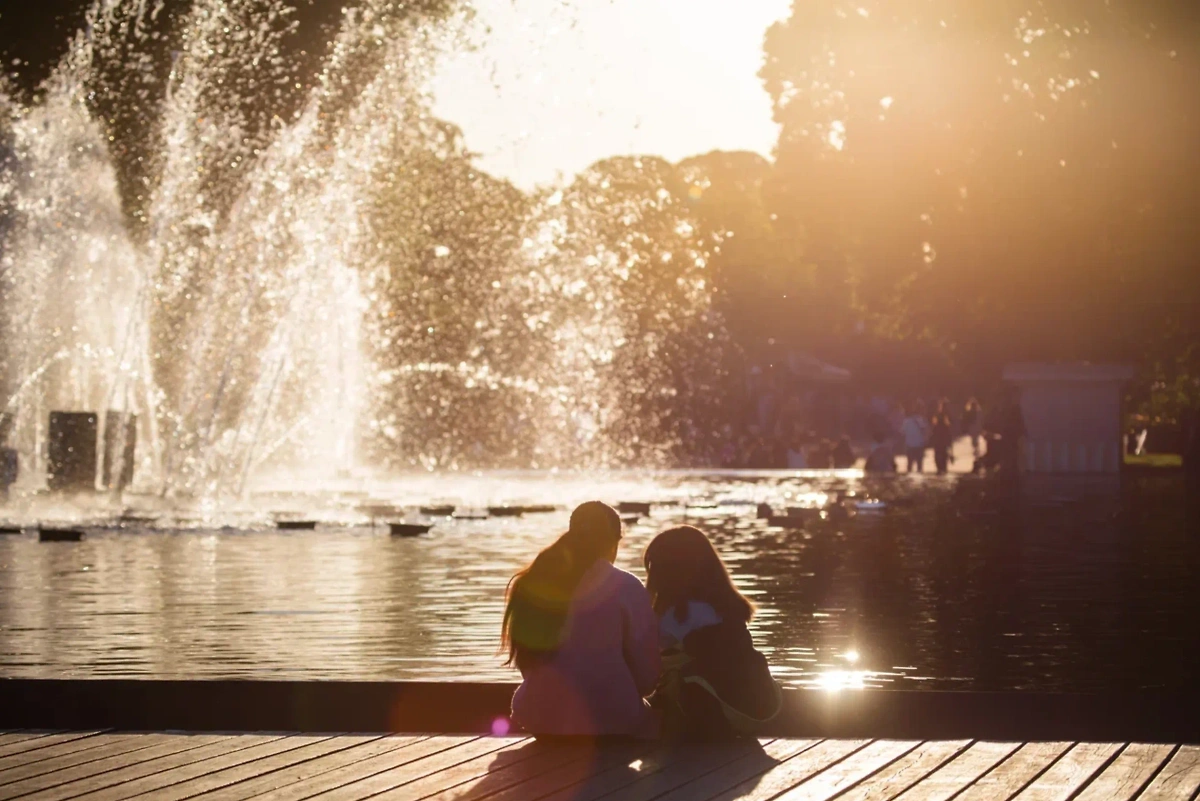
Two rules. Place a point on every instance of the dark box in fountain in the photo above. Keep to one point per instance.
(72, 451)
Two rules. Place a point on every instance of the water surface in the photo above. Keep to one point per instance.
(957, 585)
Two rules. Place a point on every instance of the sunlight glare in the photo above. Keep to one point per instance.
(835, 680)
(837, 134)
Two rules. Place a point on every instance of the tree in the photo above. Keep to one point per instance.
(621, 279)
(446, 329)
(1007, 182)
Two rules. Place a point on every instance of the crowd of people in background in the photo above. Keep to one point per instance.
(881, 435)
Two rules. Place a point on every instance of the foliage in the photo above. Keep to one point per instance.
(1010, 183)
(440, 327)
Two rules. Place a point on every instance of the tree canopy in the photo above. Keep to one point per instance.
(1010, 182)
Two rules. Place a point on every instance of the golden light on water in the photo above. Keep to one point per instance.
(836, 680)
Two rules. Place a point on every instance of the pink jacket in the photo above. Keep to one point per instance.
(608, 661)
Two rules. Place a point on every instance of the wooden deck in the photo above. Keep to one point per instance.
(98, 766)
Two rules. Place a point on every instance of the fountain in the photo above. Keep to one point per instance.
(257, 268)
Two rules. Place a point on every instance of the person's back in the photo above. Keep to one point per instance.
(607, 660)
(583, 634)
(843, 454)
(942, 439)
(797, 459)
(882, 458)
(913, 428)
(716, 684)
(942, 433)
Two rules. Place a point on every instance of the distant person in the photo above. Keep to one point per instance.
(941, 438)
(765, 455)
(819, 453)
(715, 685)
(1131, 442)
(882, 458)
(972, 424)
(843, 455)
(915, 431)
(797, 457)
(583, 634)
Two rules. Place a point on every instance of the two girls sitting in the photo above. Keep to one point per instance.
(600, 654)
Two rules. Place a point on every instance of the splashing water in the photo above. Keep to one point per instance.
(262, 284)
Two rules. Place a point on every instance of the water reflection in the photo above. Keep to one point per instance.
(953, 586)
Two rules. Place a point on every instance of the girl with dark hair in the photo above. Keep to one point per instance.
(583, 635)
(715, 684)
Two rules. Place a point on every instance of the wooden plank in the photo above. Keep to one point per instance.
(667, 767)
(146, 772)
(172, 744)
(310, 748)
(1179, 778)
(1127, 774)
(38, 743)
(164, 783)
(107, 745)
(9, 737)
(544, 756)
(1066, 776)
(907, 771)
(746, 771)
(1010, 776)
(725, 764)
(532, 783)
(850, 771)
(948, 780)
(788, 773)
(474, 754)
(79, 749)
(346, 775)
(355, 752)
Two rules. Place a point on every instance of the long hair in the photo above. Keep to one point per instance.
(538, 597)
(682, 566)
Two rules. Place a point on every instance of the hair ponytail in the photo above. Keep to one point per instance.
(538, 597)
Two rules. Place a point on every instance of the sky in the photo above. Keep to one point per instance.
(554, 85)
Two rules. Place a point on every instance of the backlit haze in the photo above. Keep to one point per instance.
(552, 86)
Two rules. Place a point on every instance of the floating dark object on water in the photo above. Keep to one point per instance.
(765, 512)
(633, 508)
(506, 511)
(409, 529)
(137, 520)
(471, 514)
(296, 525)
(786, 521)
(437, 511)
(60, 535)
(539, 509)
(10, 530)
(802, 512)
(631, 520)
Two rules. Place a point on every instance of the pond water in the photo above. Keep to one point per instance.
(957, 584)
